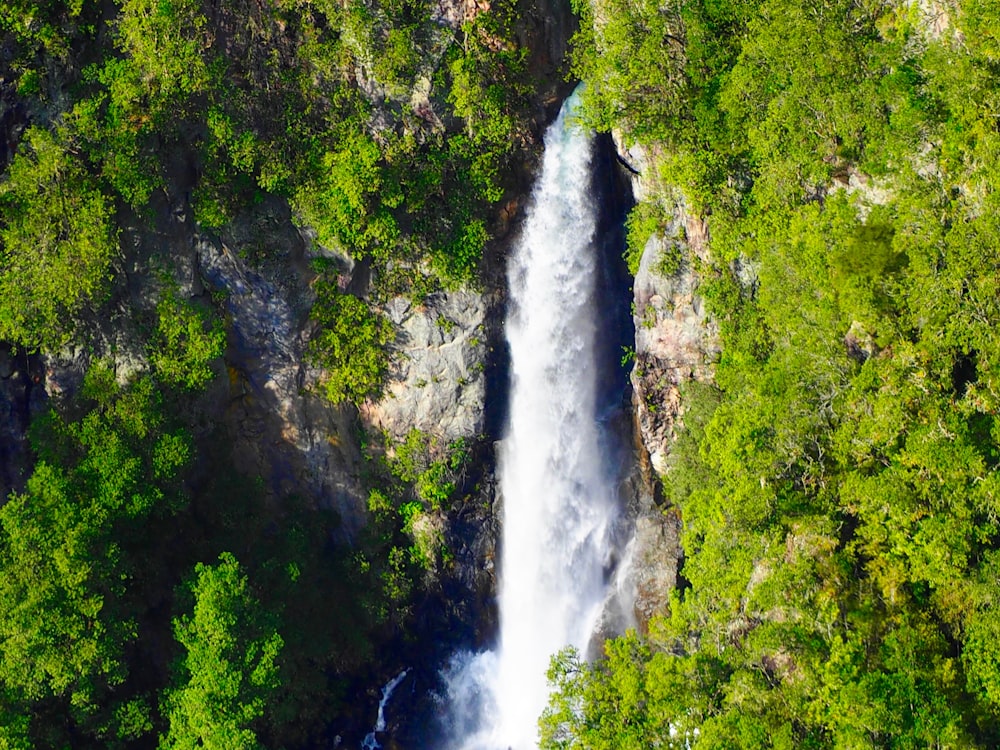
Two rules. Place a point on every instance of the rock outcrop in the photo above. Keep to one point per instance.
(437, 383)
(675, 341)
(282, 429)
(262, 401)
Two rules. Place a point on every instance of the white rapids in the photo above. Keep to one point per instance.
(559, 498)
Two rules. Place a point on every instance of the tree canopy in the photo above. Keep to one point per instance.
(837, 482)
(58, 240)
(231, 664)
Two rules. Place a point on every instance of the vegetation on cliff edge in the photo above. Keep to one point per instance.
(838, 483)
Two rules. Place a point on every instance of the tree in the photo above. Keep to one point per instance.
(67, 569)
(57, 634)
(632, 56)
(349, 203)
(166, 42)
(230, 671)
(183, 350)
(58, 242)
(43, 23)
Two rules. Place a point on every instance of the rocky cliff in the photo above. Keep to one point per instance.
(675, 341)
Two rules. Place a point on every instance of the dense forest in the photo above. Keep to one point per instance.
(837, 483)
(154, 595)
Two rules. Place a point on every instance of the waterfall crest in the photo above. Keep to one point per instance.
(558, 495)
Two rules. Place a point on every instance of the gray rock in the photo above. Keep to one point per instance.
(437, 384)
(343, 262)
(653, 570)
(675, 339)
(64, 371)
(115, 340)
(281, 428)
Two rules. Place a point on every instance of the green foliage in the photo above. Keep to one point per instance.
(633, 63)
(66, 552)
(185, 344)
(615, 703)
(979, 656)
(230, 669)
(419, 461)
(645, 220)
(482, 105)
(157, 111)
(47, 24)
(165, 42)
(56, 639)
(350, 345)
(115, 131)
(348, 208)
(774, 93)
(397, 62)
(415, 484)
(460, 256)
(58, 242)
(836, 484)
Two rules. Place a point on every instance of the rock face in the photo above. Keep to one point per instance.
(653, 557)
(282, 430)
(13, 116)
(261, 402)
(21, 397)
(675, 341)
(437, 384)
(655, 563)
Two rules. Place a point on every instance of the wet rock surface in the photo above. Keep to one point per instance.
(675, 338)
(675, 341)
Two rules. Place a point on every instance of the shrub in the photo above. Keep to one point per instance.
(185, 343)
(350, 345)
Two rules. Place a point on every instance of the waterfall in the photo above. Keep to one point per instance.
(370, 741)
(558, 493)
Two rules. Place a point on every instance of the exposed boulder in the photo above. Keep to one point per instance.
(437, 384)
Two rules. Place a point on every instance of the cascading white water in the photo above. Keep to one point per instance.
(558, 498)
(370, 742)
